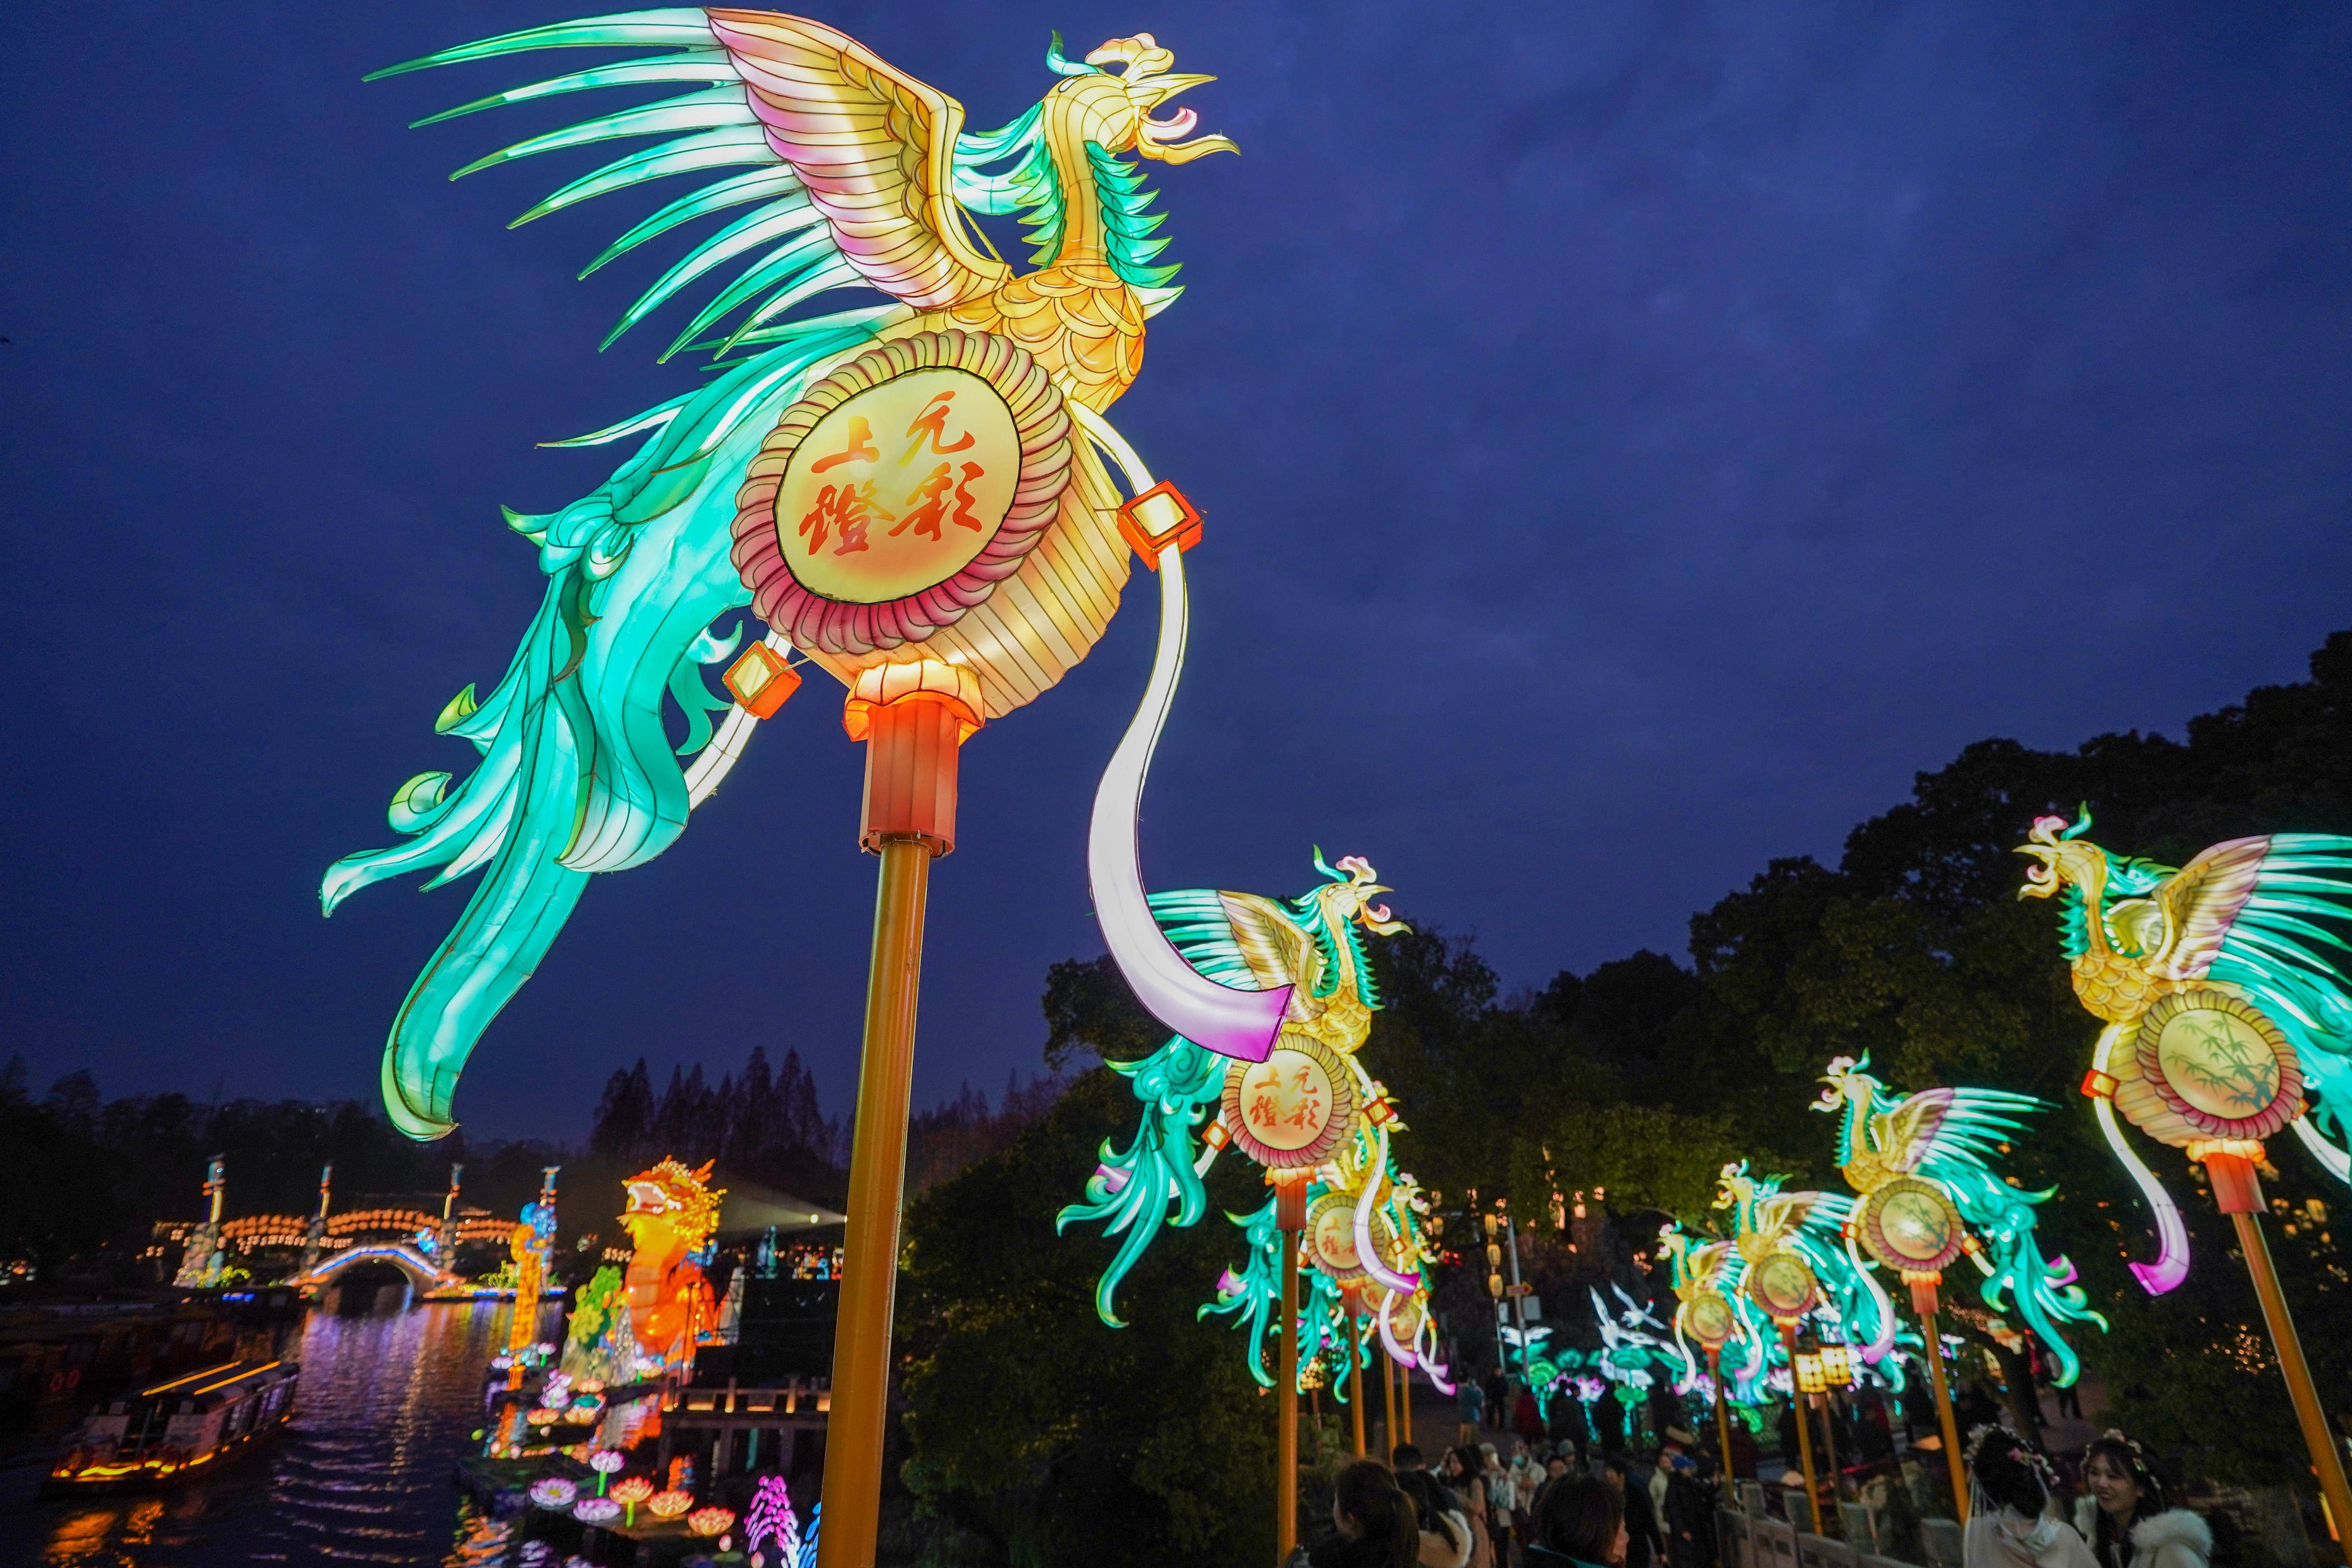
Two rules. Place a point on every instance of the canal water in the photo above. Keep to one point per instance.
(363, 1474)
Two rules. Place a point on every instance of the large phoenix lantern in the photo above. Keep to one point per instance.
(2226, 1019)
(908, 491)
(1922, 1164)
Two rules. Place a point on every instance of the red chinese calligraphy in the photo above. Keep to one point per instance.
(932, 423)
(1264, 1110)
(859, 448)
(930, 500)
(847, 508)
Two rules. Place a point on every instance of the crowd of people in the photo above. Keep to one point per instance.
(1546, 1506)
(1552, 1504)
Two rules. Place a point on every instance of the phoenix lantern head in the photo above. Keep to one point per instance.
(2062, 858)
(1847, 1078)
(1118, 109)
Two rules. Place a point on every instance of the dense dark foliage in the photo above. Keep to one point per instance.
(1037, 1434)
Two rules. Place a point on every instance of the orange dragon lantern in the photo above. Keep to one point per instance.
(672, 1214)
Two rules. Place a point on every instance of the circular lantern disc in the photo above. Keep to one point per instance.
(1405, 1319)
(1289, 1111)
(2213, 1058)
(1783, 1285)
(1912, 1226)
(1332, 1236)
(897, 489)
(1708, 1318)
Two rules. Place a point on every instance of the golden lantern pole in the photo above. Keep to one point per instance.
(1286, 1402)
(1924, 1302)
(2237, 1190)
(1804, 1425)
(1355, 1380)
(1723, 1419)
(1290, 1218)
(1405, 1402)
(1388, 1406)
(910, 818)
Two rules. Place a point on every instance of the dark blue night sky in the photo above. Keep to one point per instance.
(1635, 439)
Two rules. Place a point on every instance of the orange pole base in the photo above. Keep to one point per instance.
(1722, 1423)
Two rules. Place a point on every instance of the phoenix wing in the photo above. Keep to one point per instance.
(1782, 1218)
(846, 167)
(1940, 1125)
(1952, 1139)
(2246, 914)
(2201, 901)
(1238, 939)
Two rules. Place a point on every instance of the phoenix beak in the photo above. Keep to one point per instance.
(2041, 879)
(1156, 90)
(1163, 139)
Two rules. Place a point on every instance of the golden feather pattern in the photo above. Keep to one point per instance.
(1278, 952)
(1777, 1218)
(2201, 902)
(875, 148)
(1906, 1135)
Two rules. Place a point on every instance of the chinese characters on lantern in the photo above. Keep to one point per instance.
(847, 505)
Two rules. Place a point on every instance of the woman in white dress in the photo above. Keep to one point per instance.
(2012, 1509)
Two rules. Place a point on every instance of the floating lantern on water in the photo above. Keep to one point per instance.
(553, 1491)
(544, 1416)
(595, 1510)
(709, 1520)
(670, 1504)
(631, 1490)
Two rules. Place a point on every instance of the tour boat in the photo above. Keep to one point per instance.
(187, 1426)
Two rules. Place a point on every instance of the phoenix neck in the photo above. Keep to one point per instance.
(2093, 886)
(1083, 236)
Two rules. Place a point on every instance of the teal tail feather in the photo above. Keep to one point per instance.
(578, 771)
(2039, 1291)
(1153, 1182)
(1254, 1296)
